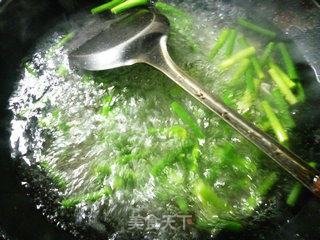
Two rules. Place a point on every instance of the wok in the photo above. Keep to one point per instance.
(23, 22)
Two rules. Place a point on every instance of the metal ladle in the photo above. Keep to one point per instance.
(142, 38)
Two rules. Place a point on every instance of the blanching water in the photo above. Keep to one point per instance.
(117, 153)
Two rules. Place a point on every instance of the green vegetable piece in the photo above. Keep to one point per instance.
(167, 8)
(228, 155)
(267, 184)
(195, 156)
(178, 131)
(106, 105)
(128, 158)
(283, 107)
(285, 90)
(257, 67)
(171, 131)
(86, 78)
(62, 42)
(55, 113)
(62, 70)
(219, 44)
(266, 54)
(208, 197)
(249, 81)
(232, 226)
(254, 60)
(313, 164)
(103, 169)
(291, 69)
(130, 179)
(257, 84)
(127, 5)
(237, 57)
(227, 97)
(230, 42)
(90, 197)
(71, 202)
(294, 194)
(244, 65)
(296, 191)
(118, 183)
(242, 184)
(125, 180)
(196, 152)
(187, 119)
(264, 125)
(225, 152)
(243, 164)
(30, 70)
(275, 123)
(284, 76)
(54, 174)
(256, 28)
(245, 103)
(301, 96)
(169, 159)
(182, 204)
(106, 6)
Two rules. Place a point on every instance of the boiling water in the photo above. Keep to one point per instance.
(107, 133)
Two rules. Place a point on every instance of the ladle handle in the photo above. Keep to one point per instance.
(293, 164)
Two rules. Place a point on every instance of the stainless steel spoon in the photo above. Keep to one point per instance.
(142, 38)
